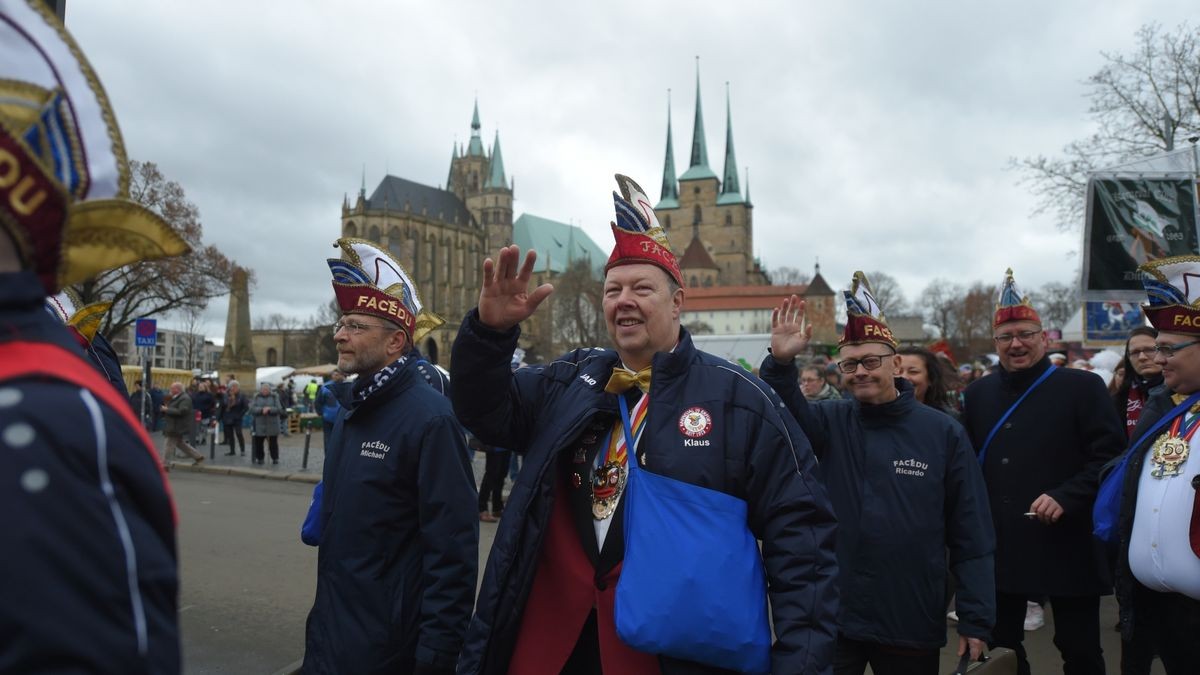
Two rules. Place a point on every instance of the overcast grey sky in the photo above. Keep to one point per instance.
(876, 134)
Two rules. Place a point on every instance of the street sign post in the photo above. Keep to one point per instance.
(146, 332)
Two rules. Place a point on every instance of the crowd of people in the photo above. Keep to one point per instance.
(673, 512)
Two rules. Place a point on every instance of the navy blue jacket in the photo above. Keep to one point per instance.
(1055, 443)
(399, 553)
(757, 454)
(88, 575)
(906, 487)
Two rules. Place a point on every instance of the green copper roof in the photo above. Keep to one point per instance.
(475, 147)
(698, 168)
(495, 177)
(729, 185)
(557, 244)
(669, 198)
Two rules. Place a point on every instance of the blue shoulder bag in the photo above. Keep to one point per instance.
(692, 584)
(1107, 509)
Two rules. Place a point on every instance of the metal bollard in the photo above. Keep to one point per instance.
(307, 440)
(212, 441)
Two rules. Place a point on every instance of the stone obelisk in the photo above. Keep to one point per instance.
(238, 357)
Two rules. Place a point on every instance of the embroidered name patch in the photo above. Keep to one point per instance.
(374, 449)
(910, 467)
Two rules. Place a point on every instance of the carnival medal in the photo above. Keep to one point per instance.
(1170, 451)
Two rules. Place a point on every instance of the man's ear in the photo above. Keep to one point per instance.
(677, 303)
(398, 342)
(896, 362)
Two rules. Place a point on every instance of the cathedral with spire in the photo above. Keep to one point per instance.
(709, 218)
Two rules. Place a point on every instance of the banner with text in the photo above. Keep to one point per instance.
(1131, 220)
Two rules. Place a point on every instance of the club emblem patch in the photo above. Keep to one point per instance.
(695, 422)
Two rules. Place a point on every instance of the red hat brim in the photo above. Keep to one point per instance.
(633, 248)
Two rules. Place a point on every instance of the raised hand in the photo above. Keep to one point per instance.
(790, 330)
(505, 299)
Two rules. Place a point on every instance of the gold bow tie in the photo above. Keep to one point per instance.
(622, 379)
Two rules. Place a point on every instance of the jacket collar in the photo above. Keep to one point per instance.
(1021, 379)
(387, 382)
(887, 412)
(676, 362)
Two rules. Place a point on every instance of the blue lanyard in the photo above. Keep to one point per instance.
(630, 449)
(1000, 422)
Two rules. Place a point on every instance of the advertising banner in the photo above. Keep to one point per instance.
(1131, 220)
(1109, 323)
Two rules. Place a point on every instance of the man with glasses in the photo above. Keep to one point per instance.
(396, 566)
(1042, 435)
(905, 487)
(1158, 562)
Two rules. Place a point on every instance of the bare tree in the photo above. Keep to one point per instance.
(190, 325)
(1056, 303)
(888, 293)
(155, 287)
(789, 276)
(1140, 102)
(941, 301)
(578, 308)
(973, 326)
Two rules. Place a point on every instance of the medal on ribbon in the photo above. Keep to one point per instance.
(1171, 450)
(609, 474)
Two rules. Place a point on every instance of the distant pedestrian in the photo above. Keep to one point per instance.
(491, 486)
(177, 410)
(814, 385)
(142, 404)
(233, 409)
(310, 393)
(264, 410)
(327, 404)
(204, 403)
(156, 397)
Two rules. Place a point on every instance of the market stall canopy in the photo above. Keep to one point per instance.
(323, 370)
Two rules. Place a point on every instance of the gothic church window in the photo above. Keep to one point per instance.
(272, 357)
(373, 233)
(667, 222)
(728, 219)
(696, 215)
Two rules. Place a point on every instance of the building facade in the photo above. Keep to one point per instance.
(744, 310)
(700, 208)
(173, 349)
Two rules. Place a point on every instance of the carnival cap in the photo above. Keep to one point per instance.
(83, 320)
(1173, 293)
(64, 178)
(864, 319)
(1012, 305)
(640, 239)
(367, 280)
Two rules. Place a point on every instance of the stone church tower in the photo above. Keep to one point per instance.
(441, 235)
(698, 208)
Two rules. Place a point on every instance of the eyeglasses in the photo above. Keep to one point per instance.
(1168, 351)
(354, 327)
(1148, 352)
(1023, 336)
(869, 362)
(810, 380)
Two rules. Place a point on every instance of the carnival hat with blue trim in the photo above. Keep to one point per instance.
(1173, 293)
(640, 239)
(367, 280)
(64, 178)
(864, 318)
(1013, 305)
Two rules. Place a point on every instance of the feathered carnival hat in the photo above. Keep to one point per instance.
(1012, 304)
(864, 319)
(640, 239)
(1173, 293)
(82, 320)
(64, 179)
(367, 280)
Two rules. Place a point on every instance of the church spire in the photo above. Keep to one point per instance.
(669, 198)
(475, 147)
(453, 159)
(496, 175)
(698, 167)
(729, 186)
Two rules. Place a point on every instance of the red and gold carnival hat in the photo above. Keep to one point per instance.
(864, 318)
(640, 239)
(367, 280)
(64, 178)
(1012, 304)
(1173, 293)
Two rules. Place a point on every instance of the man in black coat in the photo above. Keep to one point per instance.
(1158, 561)
(1041, 467)
(906, 489)
(398, 555)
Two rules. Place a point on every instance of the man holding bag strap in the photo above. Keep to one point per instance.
(548, 595)
(1042, 438)
(906, 489)
(1158, 564)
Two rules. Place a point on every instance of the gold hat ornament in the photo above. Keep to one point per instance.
(368, 280)
(64, 178)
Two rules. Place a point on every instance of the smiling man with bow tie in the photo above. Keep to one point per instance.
(567, 582)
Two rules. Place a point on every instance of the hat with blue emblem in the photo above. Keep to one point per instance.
(1013, 305)
(640, 238)
(368, 280)
(64, 177)
(1173, 293)
(864, 318)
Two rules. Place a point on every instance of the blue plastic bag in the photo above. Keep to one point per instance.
(310, 531)
(692, 584)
